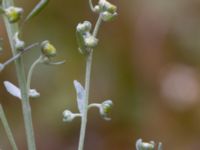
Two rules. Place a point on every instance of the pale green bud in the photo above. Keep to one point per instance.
(48, 49)
(19, 44)
(105, 109)
(86, 26)
(68, 116)
(107, 16)
(13, 13)
(91, 41)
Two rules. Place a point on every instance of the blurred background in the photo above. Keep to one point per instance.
(147, 62)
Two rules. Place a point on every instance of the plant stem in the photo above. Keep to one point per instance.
(7, 129)
(31, 72)
(87, 88)
(26, 108)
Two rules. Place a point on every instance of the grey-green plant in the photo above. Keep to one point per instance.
(87, 40)
(14, 23)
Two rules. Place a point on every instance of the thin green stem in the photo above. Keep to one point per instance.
(18, 55)
(26, 108)
(7, 129)
(87, 89)
(31, 72)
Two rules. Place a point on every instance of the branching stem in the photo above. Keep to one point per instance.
(12, 29)
(87, 88)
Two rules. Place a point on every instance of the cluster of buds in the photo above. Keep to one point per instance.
(107, 10)
(85, 39)
(13, 13)
(140, 145)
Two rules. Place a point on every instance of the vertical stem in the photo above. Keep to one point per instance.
(87, 89)
(7, 128)
(26, 108)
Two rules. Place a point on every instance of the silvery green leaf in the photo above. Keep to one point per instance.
(12, 89)
(80, 93)
(37, 9)
(15, 91)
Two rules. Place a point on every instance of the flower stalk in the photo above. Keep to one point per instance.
(87, 88)
(12, 29)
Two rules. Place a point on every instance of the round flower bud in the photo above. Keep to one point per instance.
(106, 108)
(68, 116)
(107, 16)
(13, 14)
(90, 41)
(107, 6)
(97, 9)
(19, 44)
(48, 49)
(86, 26)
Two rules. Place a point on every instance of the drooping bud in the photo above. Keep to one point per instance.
(48, 49)
(13, 13)
(108, 11)
(19, 44)
(105, 109)
(68, 116)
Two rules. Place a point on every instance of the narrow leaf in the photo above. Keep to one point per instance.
(12, 89)
(15, 91)
(37, 9)
(80, 93)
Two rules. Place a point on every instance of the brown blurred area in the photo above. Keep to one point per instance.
(147, 62)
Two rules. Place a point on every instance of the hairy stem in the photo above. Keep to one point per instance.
(26, 108)
(7, 129)
(87, 89)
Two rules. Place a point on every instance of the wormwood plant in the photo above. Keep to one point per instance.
(87, 40)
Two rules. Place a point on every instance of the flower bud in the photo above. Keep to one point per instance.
(97, 9)
(107, 6)
(106, 108)
(68, 116)
(86, 26)
(91, 41)
(140, 145)
(19, 44)
(13, 14)
(48, 49)
(107, 16)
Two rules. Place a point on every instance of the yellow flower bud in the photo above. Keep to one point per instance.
(48, 49)
(13, 13)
